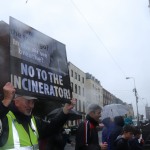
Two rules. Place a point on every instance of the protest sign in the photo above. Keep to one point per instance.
(38, 63)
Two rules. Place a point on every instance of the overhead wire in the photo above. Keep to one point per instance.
(98, 37)
(100, 40)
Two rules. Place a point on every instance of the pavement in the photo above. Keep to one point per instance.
(69, 146)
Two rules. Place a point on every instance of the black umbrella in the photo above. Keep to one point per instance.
(73, 114)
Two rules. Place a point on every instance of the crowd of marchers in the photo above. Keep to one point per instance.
(117, 132)
(21, 130)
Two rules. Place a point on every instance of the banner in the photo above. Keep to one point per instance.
(38, 63)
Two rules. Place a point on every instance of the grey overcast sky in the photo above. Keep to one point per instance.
(109, 39)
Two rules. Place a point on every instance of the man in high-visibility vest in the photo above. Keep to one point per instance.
(20, 129)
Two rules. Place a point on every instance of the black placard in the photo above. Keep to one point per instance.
(38, 63)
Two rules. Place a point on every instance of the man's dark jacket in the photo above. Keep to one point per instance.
(45, 129)
(92, 135)
(121, 144)
(135, 145)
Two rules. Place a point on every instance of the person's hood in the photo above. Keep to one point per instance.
(119, 120)
(117, 139)
(120, 139)
(106, 122)
(128, 120)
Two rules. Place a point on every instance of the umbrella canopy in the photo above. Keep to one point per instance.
(73, 114)
(114, 110)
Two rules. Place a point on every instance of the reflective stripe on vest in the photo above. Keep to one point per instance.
(18, 138)
(35, 147)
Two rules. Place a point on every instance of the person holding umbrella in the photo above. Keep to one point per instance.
(107, 129)
(20, 129)
(116, 131)
(115, 112)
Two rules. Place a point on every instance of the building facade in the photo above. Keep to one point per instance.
(77, 79)
(94, 90)
(107, 97)
(87, 89)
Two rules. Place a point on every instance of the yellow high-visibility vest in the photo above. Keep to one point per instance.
(18, 138)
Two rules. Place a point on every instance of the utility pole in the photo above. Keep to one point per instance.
(136, 96)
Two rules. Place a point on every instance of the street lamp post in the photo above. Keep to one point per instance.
(136, 96)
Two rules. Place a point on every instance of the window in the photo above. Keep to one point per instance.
(79, 90)
(72, 86)
(78, 77)
(71, 73)
(75, 88)
(82, 79)
(83, 106)
(75, 75)
(80, 105)
(83, 92)
(76, 106)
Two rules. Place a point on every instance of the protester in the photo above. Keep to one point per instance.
(57, 141)
(115, 132)
(128, 120)
(87, 133)
(136, 143)
(107, 129)
(122, 141)
(20, 129)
